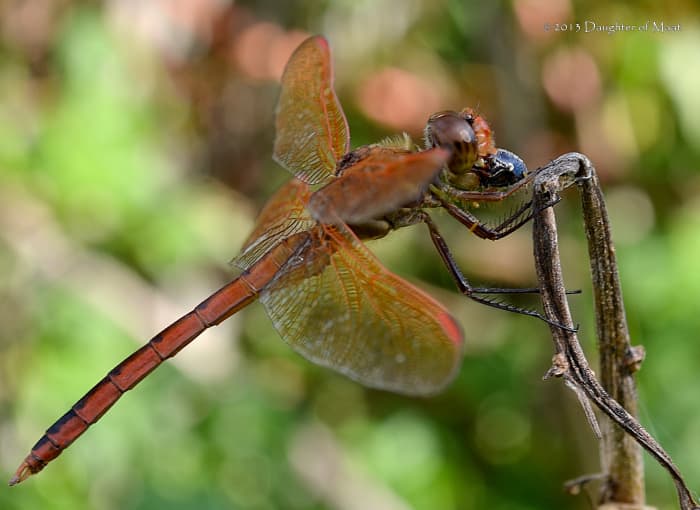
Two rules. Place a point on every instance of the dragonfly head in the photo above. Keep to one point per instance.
(475, 161)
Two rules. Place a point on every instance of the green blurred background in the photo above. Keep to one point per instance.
(135, 142)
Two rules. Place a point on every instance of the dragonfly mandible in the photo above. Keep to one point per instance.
(326, 294)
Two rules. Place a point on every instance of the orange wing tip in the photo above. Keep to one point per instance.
(451, 327)
(23, 472)
(321, 40)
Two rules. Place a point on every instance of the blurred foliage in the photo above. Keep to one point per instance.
(135, 143)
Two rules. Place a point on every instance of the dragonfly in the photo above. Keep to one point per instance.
(326, 294)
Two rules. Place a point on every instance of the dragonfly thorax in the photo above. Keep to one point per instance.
(351, 159)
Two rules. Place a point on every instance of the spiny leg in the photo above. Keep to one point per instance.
(516, 220)
(447, 195)
(480, 229)
(513, 221)
(483, 231)
(465, 287)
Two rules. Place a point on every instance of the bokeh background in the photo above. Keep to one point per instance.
(135, 142)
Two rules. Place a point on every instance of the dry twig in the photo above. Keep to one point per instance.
(621, 461)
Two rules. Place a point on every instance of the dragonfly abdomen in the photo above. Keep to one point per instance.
(219, 306)
(105, 393)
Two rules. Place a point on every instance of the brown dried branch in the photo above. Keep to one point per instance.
(569, 360)
(620, 455)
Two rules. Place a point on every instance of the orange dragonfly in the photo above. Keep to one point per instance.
(326, 294)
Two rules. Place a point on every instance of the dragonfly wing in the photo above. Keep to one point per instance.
(283, 216)
(380, 183)
(311, 130)
(339, 307)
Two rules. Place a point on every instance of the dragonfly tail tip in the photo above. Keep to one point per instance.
(23, 472)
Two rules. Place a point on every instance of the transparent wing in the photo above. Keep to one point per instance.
(311, 130)
(283, 216)
(339, 307)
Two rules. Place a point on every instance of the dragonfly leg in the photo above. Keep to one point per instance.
(484, 196)
(473, 292)
(516, 220)
(480, 229)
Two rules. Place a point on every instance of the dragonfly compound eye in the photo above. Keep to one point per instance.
(452, 131)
